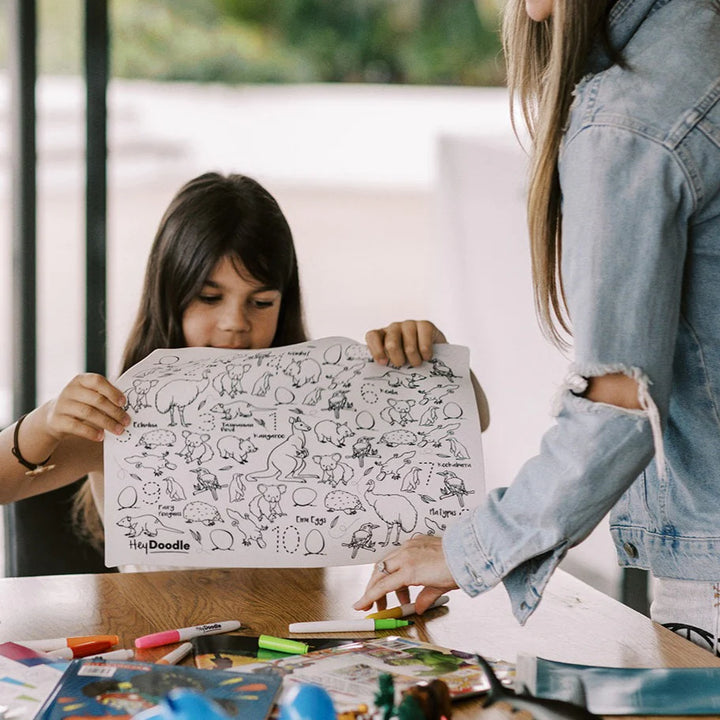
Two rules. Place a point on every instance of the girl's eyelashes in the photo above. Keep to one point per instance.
(264, 303)
(209, 299)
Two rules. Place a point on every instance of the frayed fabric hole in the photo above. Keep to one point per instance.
(577, 381)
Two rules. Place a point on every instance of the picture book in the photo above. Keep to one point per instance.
(104, 688)
(624, 691)
(26, 679)
(225, 652)
(309, 455)
(350, 672)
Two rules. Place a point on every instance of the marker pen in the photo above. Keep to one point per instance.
(283, 645)
(176, 655)
(402, 611)
(56, 643)
(123, 654)
(348, 625)
(167, 637)
(80, 650)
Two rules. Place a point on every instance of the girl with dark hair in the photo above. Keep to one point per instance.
(222, 273)
(622, 101)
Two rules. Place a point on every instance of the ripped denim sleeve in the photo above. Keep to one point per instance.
(586, 461)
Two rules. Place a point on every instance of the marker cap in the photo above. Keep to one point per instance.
(166, 637)
(390, 623)
(268, 642)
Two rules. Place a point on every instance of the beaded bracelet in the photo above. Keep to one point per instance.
(32, 468)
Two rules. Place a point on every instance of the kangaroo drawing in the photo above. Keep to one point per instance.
(287, 460)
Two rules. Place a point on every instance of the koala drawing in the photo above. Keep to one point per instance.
(137, 395)
(397, 411)
(266, 504)
(196, 448)
(334, 471)
(230, 380)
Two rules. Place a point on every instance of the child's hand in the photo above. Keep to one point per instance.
(404, 342)
(87, 406)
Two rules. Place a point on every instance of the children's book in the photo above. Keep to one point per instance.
(350, 672)
(102, 688)
(624, 691)
(26, 679)
(227, 652)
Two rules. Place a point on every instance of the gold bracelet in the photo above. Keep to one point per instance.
(32, 468)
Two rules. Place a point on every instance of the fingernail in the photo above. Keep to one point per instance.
(119, 429)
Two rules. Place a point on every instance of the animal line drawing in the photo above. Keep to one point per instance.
(305, 455)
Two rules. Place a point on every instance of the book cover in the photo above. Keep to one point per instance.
(226, 652)
(350, 672)
(26, 679)
(623, 691)
(102, 688)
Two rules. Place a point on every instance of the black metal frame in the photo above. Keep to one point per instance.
(39, 539)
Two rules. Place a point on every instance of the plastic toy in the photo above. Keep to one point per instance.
(307, 702)
(184, 704)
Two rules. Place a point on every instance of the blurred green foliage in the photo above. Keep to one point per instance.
(239, 41)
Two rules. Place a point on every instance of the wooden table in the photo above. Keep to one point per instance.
(574, 623)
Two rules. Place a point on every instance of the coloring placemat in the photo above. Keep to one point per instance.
(302, 456)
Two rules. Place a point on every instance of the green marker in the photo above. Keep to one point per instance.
(283, 645)
(348, 625)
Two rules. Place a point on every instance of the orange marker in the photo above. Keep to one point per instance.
(49, 644)
(81, 650)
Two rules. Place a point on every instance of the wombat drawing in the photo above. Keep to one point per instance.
(236, 448)
(328, 431)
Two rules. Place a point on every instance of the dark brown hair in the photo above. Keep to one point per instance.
(210, 218)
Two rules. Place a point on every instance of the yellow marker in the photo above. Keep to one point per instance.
(402, 611)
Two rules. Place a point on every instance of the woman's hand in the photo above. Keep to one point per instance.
(410, 341)
(88, 406)
(419, 561)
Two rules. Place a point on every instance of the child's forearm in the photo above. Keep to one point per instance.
(70, 458)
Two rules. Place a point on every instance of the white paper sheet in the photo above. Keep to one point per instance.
(302, 456)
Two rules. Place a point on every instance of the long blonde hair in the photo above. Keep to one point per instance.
(545, 60)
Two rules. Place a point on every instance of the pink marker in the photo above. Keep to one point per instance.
(168, 637)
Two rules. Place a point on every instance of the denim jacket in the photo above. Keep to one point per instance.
(640, 177)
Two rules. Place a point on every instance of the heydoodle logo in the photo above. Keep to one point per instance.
(155, 546)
